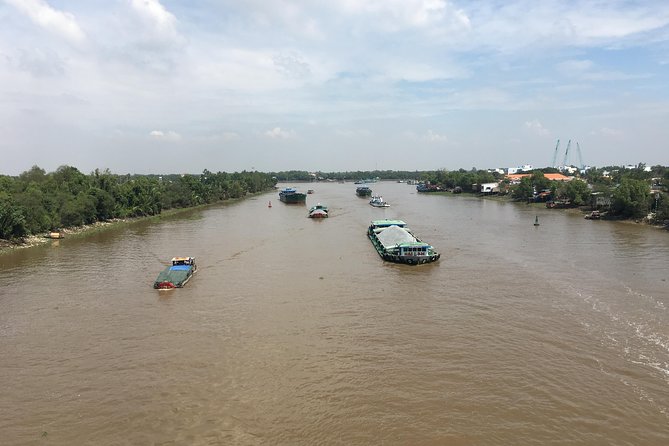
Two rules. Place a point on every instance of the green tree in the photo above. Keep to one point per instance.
(576, 191)
(12, 221)
(523, 190)
(539, 181)
(631, 198)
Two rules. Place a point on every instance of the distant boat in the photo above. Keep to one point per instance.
(291, 195)
(378, 202)
(428, 188)
(363, 191)
(536, 220)
(319, 211)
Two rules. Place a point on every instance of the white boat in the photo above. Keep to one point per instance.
(378, 201)
(318, 211)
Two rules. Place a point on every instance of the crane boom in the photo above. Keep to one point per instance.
(580, 158)
(556, 152)
(566, 154)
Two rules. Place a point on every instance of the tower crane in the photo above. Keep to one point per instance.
(580, 158)
(555, 153)
(566, 154)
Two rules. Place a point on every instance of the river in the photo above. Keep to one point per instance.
(295, 332)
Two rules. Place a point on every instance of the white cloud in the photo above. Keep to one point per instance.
(432, 136)
(537, 127)
(608, 132)
(279, 133)
(165, 136)
(41, 62)
(393, 15)
(291, 65)
(154, 14)
(53, 20)
(475, 71)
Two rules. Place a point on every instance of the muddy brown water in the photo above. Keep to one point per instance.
(295, 332)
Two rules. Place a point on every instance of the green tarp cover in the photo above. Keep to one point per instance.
(177, 277)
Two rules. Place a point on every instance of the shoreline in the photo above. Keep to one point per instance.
(582, 210)
(31, 241)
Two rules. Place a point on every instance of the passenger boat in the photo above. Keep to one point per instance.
(396, 243)
(378, 202)
(291, 195)
(319, 211)
(363, 191)
(177, 274)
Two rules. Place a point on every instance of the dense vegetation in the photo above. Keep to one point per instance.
(303, 175)
(635, 192)
(36, 201)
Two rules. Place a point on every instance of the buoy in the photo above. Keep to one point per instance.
(269, 205)
(536, 220)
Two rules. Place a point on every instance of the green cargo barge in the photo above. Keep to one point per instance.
(176, 275)
(396, 243)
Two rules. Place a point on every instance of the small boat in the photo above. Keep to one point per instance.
(363, 191)
(310, 191)
(291, 195)
(269, 205)
(319, 211)
(594, 215)
(177, 274)
(426, 187)
(378, 202)
(56, 234)
(396, 243)
(536, 220)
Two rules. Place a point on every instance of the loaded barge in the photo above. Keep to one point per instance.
(291, 195)
(177, 274)
(396, 243)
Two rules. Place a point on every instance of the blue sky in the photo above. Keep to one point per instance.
(166, 86)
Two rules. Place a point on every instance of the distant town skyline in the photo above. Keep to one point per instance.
(169, 86)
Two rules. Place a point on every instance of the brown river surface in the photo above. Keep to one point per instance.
(295, 332)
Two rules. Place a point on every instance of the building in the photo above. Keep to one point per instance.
(600, 201)
(489, 188)
(515, 178)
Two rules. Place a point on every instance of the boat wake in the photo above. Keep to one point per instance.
(635, 330)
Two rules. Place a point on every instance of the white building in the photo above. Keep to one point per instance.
(489, 188)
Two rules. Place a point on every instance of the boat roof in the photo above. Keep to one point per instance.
(381, 223)
(180, 259)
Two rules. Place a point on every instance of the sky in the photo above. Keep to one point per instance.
(173, 86)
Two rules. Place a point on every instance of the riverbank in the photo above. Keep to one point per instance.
(36, 240)
(7, 246)
(582, 210)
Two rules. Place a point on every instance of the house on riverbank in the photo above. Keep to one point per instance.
(516, 177)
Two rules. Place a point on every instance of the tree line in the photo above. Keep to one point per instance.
(634, 193)
(36, 201)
